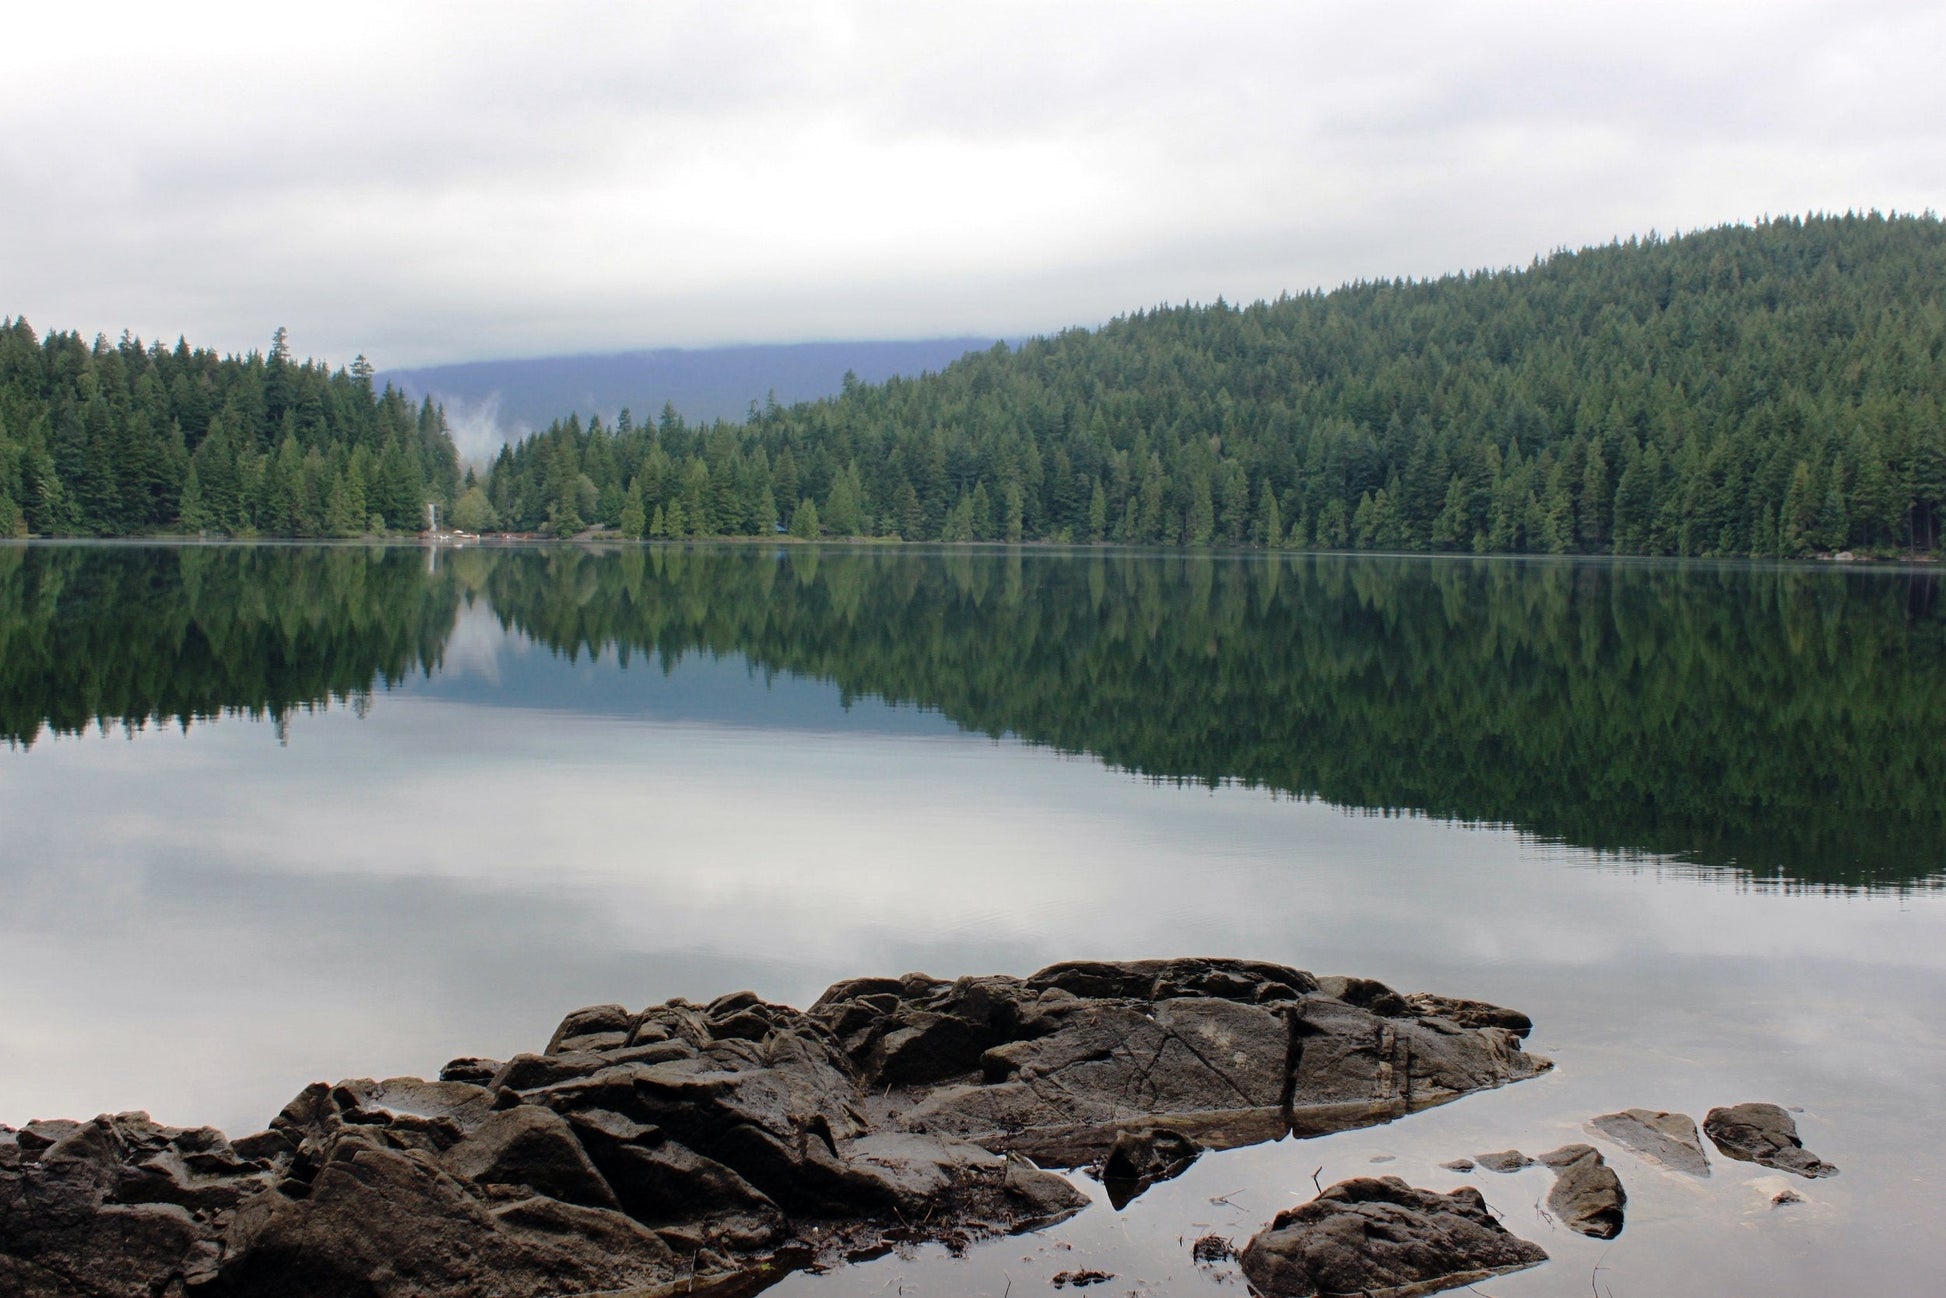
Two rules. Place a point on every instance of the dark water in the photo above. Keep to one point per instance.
(272, 814)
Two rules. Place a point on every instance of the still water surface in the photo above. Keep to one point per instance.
(276, 814)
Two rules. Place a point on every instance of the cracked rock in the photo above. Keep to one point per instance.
(685, 1143)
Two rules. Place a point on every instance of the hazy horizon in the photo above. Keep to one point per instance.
(430, 183)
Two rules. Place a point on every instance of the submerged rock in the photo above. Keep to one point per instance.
(1138, 1159)
(1587, 1195)
(1763, 1134)
(1505, 1160)
(1380, 1235)
(642, 1149)
(1669, 1139)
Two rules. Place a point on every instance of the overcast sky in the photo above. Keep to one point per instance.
(430, 182)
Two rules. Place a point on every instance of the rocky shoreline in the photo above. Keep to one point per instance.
(688, 1145)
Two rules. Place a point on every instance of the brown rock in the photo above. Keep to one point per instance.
(1587, 1195)
(1763, 1134)
(1667, 1139)
(1380, 1235)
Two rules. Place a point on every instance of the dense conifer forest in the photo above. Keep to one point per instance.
(124, 439)
(1769, 389)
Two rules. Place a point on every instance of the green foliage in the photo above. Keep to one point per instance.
(473, 512)
(122, 440)
(1656, 396)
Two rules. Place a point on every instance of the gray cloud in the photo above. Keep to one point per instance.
(435, 182)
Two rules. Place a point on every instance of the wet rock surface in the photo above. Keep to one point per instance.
(1138, 1159)
(1667, 1139)
(1504, 1160)
(1587, 1196)
(663, 1147)
(1380, 1235)
(1763, 1134)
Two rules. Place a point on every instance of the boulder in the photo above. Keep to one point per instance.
(381, 1221)
(1587, 1196)
(531, 1147)
(1764, 1134)
(1380, 1235)
(1667, 1139)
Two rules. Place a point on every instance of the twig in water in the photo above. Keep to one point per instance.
(1314, 1179)
(1224, 1199)
(1599, 1263)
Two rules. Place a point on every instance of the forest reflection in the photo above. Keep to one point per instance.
(1778, 723)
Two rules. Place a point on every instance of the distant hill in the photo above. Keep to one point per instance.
(704, 384)
(1776, 389)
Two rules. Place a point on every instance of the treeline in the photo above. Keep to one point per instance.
(100, 439)
(1750, 390)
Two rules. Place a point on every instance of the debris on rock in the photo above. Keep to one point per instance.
(1081, 1279)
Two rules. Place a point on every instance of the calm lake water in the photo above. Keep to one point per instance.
(276, 814)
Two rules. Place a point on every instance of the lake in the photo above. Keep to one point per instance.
(274, 814)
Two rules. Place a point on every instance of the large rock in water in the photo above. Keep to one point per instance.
(1667, 1139)
(1225, 1052)
(1587, 1195)
(644, 1148)
(1378, 1235)
(1763, 1134)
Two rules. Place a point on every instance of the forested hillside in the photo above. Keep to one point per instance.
(121, 439)
(1768, 389)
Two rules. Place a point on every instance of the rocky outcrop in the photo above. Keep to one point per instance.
(1378, 1235)
(1764, 1134)
(1224, 1052)
(1666, 1139)
(656, 1147)
(1587, 1196)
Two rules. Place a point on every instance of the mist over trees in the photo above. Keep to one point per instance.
(122, 439)
(1748, 390)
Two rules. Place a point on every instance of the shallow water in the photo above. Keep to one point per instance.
(457, 813)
